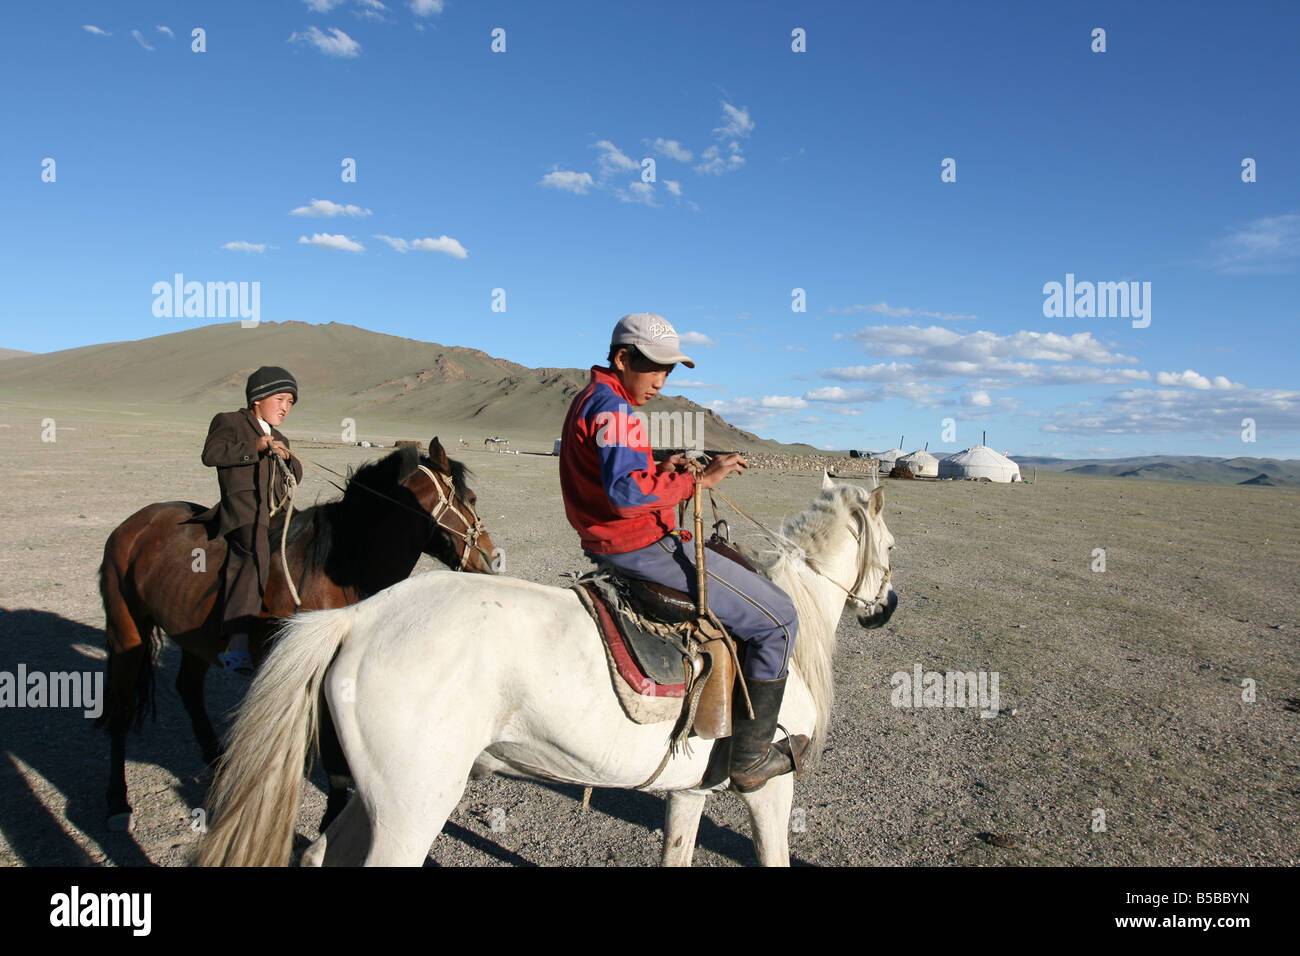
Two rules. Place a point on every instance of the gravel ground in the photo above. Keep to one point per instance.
(1126, 685)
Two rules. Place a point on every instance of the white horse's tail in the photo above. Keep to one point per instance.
(253, 802)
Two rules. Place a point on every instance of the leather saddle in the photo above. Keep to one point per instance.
(654, 626)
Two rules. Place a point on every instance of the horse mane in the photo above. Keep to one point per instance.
(806, 536)
(333, 528)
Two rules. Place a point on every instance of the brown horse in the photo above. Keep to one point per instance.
(162, 573)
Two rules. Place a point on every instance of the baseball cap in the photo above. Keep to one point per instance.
(653, 336)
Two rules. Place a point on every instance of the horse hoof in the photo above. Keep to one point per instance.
(122, 822)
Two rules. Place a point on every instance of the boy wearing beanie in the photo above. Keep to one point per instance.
(242, 446)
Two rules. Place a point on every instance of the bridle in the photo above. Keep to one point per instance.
(870, 607)
(469, 536)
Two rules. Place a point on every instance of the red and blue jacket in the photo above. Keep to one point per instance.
(613, 493)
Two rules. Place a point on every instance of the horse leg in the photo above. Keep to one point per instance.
(123, 673)
(345, 843)
(769, 819)
(681, 825)
(335, 764)
(130, 675)
(189, 684)
(410, 790)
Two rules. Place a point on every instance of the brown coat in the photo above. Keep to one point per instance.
(246, 477)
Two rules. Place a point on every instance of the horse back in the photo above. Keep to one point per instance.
(162, 564)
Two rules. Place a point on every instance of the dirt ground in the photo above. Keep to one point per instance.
(1126, 685)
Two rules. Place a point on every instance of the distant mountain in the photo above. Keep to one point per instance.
(1219, 471)
(13, 353)
(342, 371)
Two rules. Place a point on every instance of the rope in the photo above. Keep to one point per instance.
(446, 501)
(291, 486)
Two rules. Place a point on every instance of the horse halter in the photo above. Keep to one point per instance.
(870, 607)
(472, 529)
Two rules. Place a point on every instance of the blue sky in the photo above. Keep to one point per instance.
(775, 170)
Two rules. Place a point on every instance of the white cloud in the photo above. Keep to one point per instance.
(637, 192)
(695, 338)
(443, 244)
(688, 383)
(792, 348)
(336, 43)
(613, 160)
(715, 163)
(672, 149)
(374, 10)
(976, 399)
(1208, 412)
(327, 241)
(899, 312)
(166, 30)
(1190, 379)
(673, 186)
(322, 6)
(241, 246)
(735, 122)
(938, 343)
(838, 395)
(427, 8)
(139, 38)
(782, 401)
(569, 181)
(323, 207)
(1268, 245)
(91, 28)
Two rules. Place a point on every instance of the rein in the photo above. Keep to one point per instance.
(853, 597)
(446, 502)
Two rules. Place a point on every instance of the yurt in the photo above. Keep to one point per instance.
(979, 461)
(921, 464)
(889, 458)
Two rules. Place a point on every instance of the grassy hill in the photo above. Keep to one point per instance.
(389, 385)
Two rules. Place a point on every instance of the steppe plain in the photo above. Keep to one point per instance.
(1120, 690)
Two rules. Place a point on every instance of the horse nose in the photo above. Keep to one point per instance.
(498, 561)
(882, 616)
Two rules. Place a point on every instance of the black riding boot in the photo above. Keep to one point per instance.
(754, 758)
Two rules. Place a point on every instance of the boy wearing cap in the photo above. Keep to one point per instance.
(242, 446)
(623, 507)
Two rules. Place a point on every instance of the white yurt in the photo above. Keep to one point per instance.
(979, 461)
(889, 458)
(921, 463)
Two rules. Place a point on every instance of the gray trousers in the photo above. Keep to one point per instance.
(756, 612)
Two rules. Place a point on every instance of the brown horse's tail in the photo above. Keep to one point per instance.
(253, 803)
(121, 631)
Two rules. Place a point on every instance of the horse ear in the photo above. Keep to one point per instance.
(876, 503)
(827, 484)
(438, 456)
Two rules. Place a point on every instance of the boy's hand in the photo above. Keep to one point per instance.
(672, 463)
(275, 447)
(722, 466)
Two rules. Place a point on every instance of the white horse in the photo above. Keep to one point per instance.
(444, 675)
